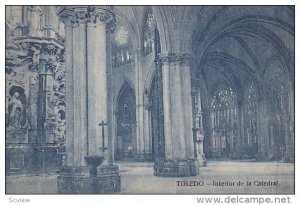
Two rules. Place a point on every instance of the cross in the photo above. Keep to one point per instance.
(102, 124)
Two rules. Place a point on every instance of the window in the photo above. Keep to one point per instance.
(223, 99)
(122, 47)
(278, 106)
(276, 88)
(149, 32)
(122, 36)
(223, 121)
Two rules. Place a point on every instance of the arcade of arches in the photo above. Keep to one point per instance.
(237, 70)
(174, 84)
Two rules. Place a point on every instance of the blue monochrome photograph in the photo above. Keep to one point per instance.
(149, 99)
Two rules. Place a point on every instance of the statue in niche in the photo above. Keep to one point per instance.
(17, 127)
(34, 18)
(16, 111)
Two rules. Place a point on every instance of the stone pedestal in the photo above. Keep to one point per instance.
(199, 153)
(201, 160)
(77, 180)
(176, 168)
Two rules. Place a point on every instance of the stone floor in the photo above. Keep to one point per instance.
(137, 177)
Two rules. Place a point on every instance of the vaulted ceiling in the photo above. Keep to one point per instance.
(228, 42)
(235, 43)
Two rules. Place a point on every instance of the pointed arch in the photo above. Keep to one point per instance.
(126, 87)
(125, 143)
(121, 83)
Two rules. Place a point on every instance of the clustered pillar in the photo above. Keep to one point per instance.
(86, 28)
(177, 105)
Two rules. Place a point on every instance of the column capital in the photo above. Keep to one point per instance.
(102, 15)
(74, 15)
(81, 15)
(66, 14)
(177, 58)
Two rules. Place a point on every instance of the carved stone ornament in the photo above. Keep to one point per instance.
(16, 56)
(34, 18)
(87, 14)
(80, 16)
(97, 14)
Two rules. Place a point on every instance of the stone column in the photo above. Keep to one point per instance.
(237, 152)
(96, 81)
(290, 151)
(187, 105)
(151, 153)
(87, 98)
(243, 137)
(80, 125)
(263, 130)
(68, 21)
(147, 127)
(167, 109)
(140, 145)
(110, 100)
(178, 124)
(86, 79)
(101, 22)
(177, 109)
(41, 103)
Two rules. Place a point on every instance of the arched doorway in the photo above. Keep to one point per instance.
(126, 124)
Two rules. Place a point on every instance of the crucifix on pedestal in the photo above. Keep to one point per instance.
(103, 148)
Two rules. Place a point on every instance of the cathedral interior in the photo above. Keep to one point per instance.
(172, 87)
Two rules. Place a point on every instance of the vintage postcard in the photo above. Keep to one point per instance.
(149, 99)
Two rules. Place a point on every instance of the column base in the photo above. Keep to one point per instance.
(77, 180)
(176, 168)
(201, 161)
